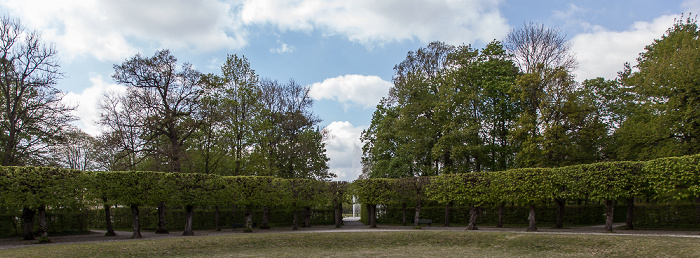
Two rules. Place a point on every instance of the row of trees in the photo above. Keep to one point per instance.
(516, 105)
(664, 179)
(36, 189)
(172, 118)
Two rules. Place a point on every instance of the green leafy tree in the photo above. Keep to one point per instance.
(412, 190)
(373, 191)
(466, 189)
(524, 186)
(34, 189)
(133, 189)
(666, 114)
(608, 182)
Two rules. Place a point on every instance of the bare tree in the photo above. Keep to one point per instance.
(78, 150)
(535, 44)
(171, 99)
(123, 120)
(31, 109)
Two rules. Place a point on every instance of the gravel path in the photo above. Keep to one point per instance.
(350, 225)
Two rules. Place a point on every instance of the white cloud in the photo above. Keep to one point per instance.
(375, 22)
(344, 150)
(352, 89)
(87, 103)
(284, 48)
(691, 6)
(602, 53)
(107, 30)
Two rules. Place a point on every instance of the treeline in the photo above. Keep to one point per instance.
(171, 118)
(663, 180)
(515, 104)
(34, 190)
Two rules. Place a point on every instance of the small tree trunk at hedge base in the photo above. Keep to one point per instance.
(295, 222)
(372, 215)
(560, 212)
(265, 224)
(474, 214)
(108, 219)
(233, 215)
(403, 212)
(630, 213)
(337, 212)
(697, 208)
(28, 219)
(307, 217)
(161, 219)
(533, 223)
(609, 209)
(447, 215)
(43, 231)
(189, 214)
(500, 216)
(248, 220)
(135, 222)
(340, 215)
(217, 219)
(416, 217)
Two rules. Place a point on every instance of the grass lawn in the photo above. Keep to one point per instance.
(403, 243)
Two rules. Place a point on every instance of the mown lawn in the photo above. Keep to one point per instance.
(355, 244)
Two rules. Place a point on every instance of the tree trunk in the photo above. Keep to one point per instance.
(233, 215)
(630, 213)
(416, 217)
(189, 214)
(43, 230)
(561, 203)
(533, 223)
(265, 224)
(473, 217)
(337, 213)
(108, 218)
(161, 219)
(500, 216)
(296, 217)
(217, 218)
(403, 212)
(697, 208)
(609, 209)
(135, 222)
(248, 220)
(372, 215)
(447, 215)
(340, 215)
(307, 217)
(28, 219)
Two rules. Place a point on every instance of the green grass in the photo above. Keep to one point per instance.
(404, 243)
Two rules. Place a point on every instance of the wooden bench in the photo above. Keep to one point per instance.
(425, 221)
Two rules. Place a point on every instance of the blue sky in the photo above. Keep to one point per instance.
(344, 50)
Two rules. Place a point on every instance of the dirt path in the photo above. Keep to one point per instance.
(351, 225)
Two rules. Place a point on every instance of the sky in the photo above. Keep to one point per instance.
(345, 51)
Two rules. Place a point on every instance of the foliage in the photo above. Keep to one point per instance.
(523, 186)
(373, 190)
(675, 177)
(464, 189)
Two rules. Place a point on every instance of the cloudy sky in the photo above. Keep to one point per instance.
(344, 50)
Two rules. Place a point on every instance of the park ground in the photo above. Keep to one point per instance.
(387, 240)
